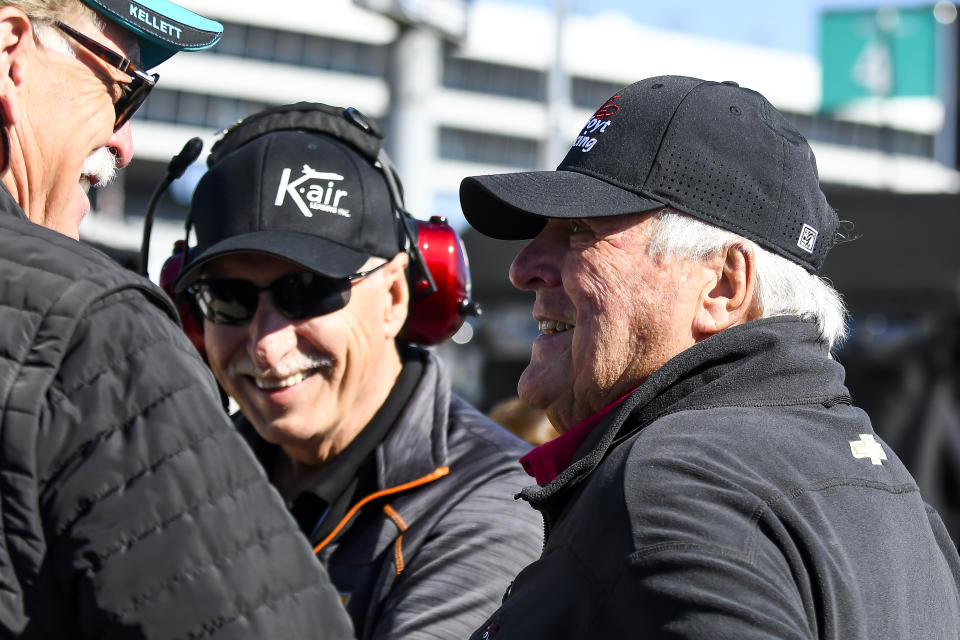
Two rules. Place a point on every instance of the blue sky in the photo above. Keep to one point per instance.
(789, 25)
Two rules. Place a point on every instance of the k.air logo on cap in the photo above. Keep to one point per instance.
(596, 125)
(808, 238)
(140, 14)
(313, 197)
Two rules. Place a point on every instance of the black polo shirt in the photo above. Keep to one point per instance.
(325, 498)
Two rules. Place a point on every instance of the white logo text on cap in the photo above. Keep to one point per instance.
(160, 25)
(312, 197)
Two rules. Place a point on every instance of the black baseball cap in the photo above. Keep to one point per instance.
(714, 150)
(162, 27)
(302, 196)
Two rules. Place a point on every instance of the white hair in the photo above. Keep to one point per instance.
(46, 34)
(782, 286)
(52, 39)
(49, 10)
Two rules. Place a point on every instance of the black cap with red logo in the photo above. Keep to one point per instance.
(713, 150)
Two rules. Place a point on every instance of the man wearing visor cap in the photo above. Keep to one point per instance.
(713, 478)
(130, 507)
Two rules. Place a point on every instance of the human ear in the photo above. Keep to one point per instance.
(395, 312)
(15, 38)
(728, 298)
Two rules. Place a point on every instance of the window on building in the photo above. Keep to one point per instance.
(316, 52)
(862, 136)
(289, 47)
(486, 148)
(233, 41)
(210, 112)
(260, 43)
(192, 109)
(484, 77)
(590, 94)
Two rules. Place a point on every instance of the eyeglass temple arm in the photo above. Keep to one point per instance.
(121, 62)
(412, 245)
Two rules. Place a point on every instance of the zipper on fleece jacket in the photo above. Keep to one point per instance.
(436, 474)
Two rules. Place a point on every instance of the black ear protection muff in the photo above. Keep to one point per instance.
(438, 273)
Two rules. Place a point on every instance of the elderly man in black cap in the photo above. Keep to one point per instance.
(713, 478)
(130, 507)
(300, 272)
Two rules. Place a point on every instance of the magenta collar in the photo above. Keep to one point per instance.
(544, 463)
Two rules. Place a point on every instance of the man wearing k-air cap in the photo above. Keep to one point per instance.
(713, 477)
(130, 507)
(302, 283)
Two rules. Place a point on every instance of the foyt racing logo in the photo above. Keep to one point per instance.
(597, 125)
(313, 191)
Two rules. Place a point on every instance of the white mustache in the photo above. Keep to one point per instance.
(297, 363)
(100, 164)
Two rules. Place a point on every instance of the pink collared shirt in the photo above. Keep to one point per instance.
(544, 463)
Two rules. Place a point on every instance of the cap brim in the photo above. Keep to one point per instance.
(162, 27)
(310, 252)
(516, 206)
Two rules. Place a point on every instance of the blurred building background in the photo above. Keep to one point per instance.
(490, 86)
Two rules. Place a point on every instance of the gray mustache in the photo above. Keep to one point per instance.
(294, 364)
(102, 164)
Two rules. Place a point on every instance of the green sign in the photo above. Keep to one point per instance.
(879, 53)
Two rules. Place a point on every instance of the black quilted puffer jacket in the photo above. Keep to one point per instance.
(129, 505)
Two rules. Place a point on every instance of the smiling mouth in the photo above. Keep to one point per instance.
(88, 181)
(270, 383)
(554, 326)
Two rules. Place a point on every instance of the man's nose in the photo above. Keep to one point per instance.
(121, 144)
(538, 264)
(272, 335)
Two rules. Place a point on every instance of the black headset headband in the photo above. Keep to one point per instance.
(346, 124)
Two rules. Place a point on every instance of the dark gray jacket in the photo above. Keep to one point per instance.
(430, 550)
(129, 506)
(724, 499)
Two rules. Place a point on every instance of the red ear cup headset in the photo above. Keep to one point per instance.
(439, 271)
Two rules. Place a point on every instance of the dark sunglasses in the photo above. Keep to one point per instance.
(297, 296)
(133, 93)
